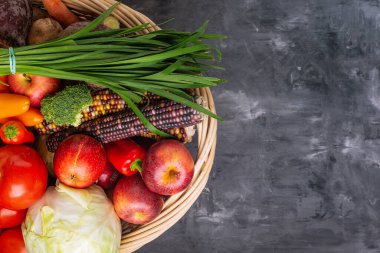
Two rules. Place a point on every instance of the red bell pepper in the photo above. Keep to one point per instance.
(14, 132)
(3, 120)
(126, 156)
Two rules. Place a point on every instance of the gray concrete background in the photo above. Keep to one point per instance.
(298, 159)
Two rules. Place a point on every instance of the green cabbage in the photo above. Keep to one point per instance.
(68, 220)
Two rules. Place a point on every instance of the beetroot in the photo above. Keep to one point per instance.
(15, 19)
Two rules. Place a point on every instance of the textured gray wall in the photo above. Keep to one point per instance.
(298, 160)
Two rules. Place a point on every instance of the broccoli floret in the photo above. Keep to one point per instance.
(65, 107)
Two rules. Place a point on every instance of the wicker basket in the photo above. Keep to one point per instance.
(176, 206)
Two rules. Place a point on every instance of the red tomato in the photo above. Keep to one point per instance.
(11, 241)
(23, 177)
(10, 218)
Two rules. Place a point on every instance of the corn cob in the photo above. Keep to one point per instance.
(104, 102)
(164, 115)
(183, 134)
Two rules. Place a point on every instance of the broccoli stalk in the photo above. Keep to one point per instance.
(65, 107)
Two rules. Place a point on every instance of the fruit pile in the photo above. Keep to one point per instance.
(79, 136)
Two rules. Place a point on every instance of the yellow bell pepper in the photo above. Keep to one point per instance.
(12, 105)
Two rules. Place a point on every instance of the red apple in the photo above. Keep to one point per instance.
(109, 177)
(4, 88)
(168, 167)
(35, 87)
(133, 201)
(79, 161)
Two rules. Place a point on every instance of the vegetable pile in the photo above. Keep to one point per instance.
(165, 62)
(93, 125)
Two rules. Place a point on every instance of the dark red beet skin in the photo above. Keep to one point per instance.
(16, 20)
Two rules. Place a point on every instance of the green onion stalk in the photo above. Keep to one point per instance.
(164, 62)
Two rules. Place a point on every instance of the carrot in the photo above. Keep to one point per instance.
(58, 10)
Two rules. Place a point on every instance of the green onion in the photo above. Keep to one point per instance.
(164, 62)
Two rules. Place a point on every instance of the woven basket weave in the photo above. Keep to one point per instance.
(176, 206)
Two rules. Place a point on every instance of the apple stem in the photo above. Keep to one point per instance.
(136, 165)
